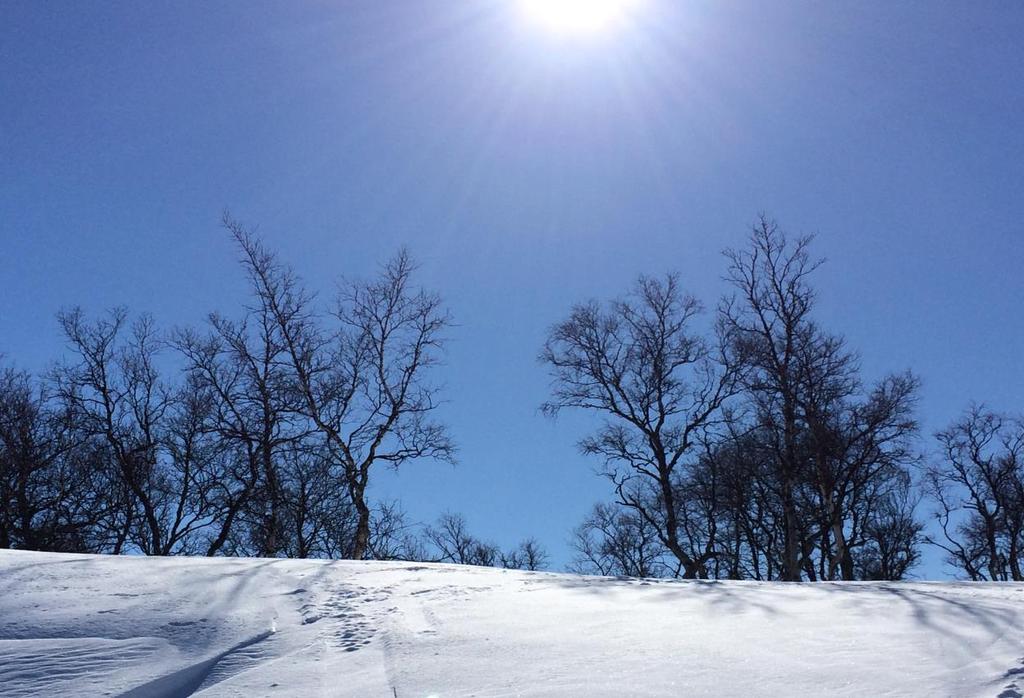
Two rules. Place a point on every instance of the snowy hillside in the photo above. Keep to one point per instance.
(94, 626)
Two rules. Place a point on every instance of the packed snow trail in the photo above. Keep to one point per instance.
(78, 625)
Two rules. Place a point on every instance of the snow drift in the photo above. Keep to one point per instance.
(81, 625)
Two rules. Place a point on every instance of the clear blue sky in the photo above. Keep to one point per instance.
(527, 170)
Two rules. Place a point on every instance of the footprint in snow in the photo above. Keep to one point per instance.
(1013, 689)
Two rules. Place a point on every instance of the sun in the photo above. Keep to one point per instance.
(578, 16)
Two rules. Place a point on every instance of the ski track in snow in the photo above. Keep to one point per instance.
(83, 626)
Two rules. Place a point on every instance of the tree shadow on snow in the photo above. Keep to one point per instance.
(964, 615)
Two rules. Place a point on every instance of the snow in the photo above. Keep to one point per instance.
(81, 625)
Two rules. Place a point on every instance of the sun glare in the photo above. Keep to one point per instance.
(578, 16)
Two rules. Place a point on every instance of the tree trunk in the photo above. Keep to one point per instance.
(270, 542)
(995, 568)
(691, 570)
(361, 543)
(791, 552)
(357, 479)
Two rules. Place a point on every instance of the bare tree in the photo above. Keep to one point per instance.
(528, 555)
(27, 447)
(829, 449)
(53, 497)
(615, 541)
(769, 322)
(244, 367)
(892, 535)
(860, 450)
(392, 537)
(659, 385)
(760, 454)
(154, 436)
(364, 383)
(979, 487)
(450, 541)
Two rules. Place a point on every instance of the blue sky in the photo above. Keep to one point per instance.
(526, 170)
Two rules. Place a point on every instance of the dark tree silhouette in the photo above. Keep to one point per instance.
(363, 384)
(641, 364)
(978, 483)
